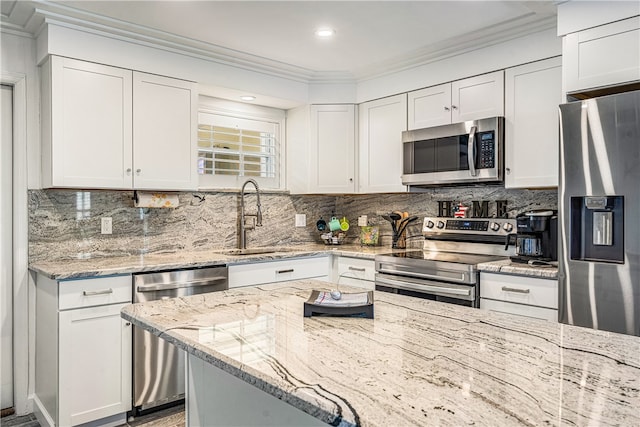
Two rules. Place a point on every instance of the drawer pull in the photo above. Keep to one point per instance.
(357, 269)
(93, 293)
(290, 270)
(520, 291)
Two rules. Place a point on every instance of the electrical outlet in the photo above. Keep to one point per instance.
(106, 225)
(301, 220)
(362, 221)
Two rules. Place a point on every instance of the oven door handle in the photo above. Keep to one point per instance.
(471, 151)
(423, 287)
(450, 277)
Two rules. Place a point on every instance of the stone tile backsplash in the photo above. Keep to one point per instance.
(66, 223)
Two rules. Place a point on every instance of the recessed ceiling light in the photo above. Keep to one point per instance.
(248, 98)
(325, 32)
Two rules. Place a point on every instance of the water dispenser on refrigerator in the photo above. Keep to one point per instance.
(597, 227)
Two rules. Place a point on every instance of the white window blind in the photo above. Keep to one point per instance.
(231, 149)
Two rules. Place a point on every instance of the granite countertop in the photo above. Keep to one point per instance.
(508, 267)
(418, 362)
(72, 268)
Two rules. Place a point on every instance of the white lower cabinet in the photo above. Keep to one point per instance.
(526, 296)
(354, 271)
(83, 351)
(257, 273)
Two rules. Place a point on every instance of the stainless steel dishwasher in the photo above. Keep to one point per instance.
(158, 366)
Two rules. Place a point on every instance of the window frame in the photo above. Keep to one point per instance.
(238, 111)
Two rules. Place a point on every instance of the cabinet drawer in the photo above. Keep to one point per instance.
(519, 289)
(92, 292)
(278, 271)
(356, 268)
(519, 309)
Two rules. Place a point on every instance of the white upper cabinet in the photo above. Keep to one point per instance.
(86, 125)
(469, 99)
(532, 95)
(164, 133)
(332, 149)
(602, 56)
(381, 123)
(107, 127)
(429, 107)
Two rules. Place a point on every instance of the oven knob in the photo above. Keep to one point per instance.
(507, 227)
(430, 224)
(440, 224)
(495, 226)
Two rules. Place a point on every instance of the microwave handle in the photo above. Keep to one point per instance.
(471, 150)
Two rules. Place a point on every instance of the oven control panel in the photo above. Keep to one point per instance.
(469, 226)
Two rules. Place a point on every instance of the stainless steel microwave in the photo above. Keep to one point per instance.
(460, 153)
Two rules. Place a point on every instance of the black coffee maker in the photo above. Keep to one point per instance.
(536, 237)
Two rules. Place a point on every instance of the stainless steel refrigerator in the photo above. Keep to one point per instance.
(599, 205)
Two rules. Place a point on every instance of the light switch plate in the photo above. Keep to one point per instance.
(301, 220)
(362, 221)
(106, 226)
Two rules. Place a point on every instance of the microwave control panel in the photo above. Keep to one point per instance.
(486, 150)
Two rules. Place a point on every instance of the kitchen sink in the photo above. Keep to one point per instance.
(252, 251)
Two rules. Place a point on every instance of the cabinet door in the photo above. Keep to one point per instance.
(278, 271)
(86, 125)
(602, 56)
(533, 93)
(164, 133)
(380, 161)
(332, 149)
(95, 364)
(477, 97)
(520, 289)
(519, 309)
(429, 107)
(355, 272)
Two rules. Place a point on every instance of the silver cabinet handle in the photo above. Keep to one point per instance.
(290, 270)
(471, 150)
(179, 285)
(138, 171)
(520, 291)
(128, 171)
(424, 287)
(357, 269)
(446, 108)
(454, 107)
(93, 293)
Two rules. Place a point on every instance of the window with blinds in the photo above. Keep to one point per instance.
(231, 149)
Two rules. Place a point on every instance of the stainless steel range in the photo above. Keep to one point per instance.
(446, 268)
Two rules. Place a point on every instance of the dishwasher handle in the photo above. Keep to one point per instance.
(179, 285)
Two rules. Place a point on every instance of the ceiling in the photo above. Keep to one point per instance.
(371, 37)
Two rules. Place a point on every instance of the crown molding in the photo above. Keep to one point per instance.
(457, 46)
(58, 14)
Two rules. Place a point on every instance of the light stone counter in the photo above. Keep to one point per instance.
(417, 363)
(508, 267)
(71, 268)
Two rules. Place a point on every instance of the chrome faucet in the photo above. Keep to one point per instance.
(256, 219)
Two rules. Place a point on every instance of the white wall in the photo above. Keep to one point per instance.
(17, 57)
(101, 48)
(518, 51)
(575, 16)
(18, 69)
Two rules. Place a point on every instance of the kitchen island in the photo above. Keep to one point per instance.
(417, 362)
